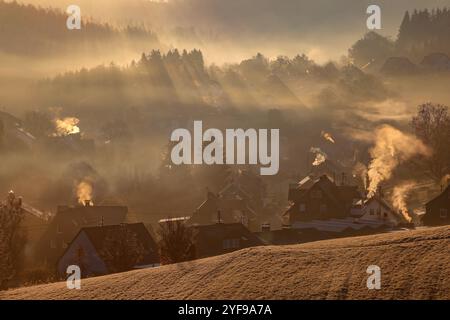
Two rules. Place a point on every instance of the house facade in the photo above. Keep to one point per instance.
(320, 199)
(68, 221)
(376, 209)
(87, 249)
(438, 210)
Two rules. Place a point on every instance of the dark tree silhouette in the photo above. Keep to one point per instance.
(12, 239)
(122, 250)
(177, 242)
(432, 126)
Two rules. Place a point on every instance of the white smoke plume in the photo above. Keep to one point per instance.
(320, 156)
(399, 197)
(84, 192)
(392, 147)
(67, 126)
(327, 136)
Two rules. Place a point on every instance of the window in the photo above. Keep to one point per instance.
(64, 245)
(58, 229)
(52, 244)
(302, 207)
(379, 211)
(443, 214)
(323, 208)
(231, 244)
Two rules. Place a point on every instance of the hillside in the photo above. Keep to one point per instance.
(414, 265)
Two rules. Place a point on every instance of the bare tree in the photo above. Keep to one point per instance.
(122, 250)
(177, 242)
(12, 239)
(432, 126)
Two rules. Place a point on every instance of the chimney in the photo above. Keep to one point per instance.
(219, 218)
(380, 192)
(87, 203)
(265, 227)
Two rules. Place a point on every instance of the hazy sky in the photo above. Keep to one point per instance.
(322, 28)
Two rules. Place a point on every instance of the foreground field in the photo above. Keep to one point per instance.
(414, 265)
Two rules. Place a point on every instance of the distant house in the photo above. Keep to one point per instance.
(87, 249)
(221, 238)
(376, 209)
(320, 198)
(68, 221)
(229, 209)
(436, 62)
(438, 210)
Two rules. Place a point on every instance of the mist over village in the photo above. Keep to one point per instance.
(194, 150)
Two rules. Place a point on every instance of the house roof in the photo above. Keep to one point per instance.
(69, 220)
(98, 235)
(437, 198)
(207, 235)
(381, 201)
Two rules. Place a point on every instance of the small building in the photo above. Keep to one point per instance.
(68, 221)
(376, 209)
(87, 250)
(320, 199)
(221, 238)
(438, 210)
(232, 209)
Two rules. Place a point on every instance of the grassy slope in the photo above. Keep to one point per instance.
(414, 264)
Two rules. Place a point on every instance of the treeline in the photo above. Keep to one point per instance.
(182, 78)
(421, 33)
(424, 32)
(30, 31)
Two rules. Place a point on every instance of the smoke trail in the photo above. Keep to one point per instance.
(399, 196)
(392, 147)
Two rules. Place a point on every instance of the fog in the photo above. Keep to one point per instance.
(129, 89)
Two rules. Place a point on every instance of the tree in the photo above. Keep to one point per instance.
(177, 242)
(371, 51)
(12, 239)
(432, 126)
(122, 249)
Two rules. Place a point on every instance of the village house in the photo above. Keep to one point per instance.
(232, 208)
(68, 221)
(89, 249)
(321, 198)
(438, 210)
(376, 209)
(220, 238)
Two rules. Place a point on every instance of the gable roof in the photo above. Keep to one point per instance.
(381, 201)
(97, 236)
(442, 194)
(69, 220)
